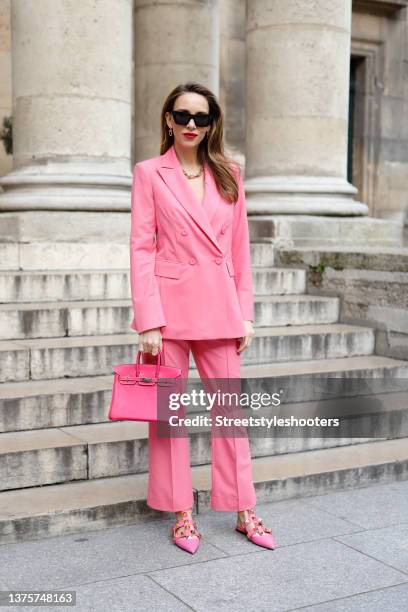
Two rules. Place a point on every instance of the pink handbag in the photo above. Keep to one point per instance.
(141, 390)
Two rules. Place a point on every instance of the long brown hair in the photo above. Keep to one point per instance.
(211, 148)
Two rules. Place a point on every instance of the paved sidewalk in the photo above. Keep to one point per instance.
(342, 551)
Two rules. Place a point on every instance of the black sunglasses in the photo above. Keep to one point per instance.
(200, 119)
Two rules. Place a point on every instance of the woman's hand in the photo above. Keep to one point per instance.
(247, 339)
(150, 341)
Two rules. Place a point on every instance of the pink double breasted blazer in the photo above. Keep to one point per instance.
(190, 267)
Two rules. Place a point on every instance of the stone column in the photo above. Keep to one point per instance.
(5, 79)
(232, 75)
(175, 41)
(297, 91)
(71, 73)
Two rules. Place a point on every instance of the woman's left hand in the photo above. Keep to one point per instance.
(247, 339)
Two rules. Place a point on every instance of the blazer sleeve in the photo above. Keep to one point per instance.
(241, 254)
(147, 306)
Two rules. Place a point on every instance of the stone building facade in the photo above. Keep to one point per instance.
(315, 94)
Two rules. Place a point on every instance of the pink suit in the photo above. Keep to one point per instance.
(191, 276)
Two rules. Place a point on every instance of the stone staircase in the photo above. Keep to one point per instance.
(65, 468)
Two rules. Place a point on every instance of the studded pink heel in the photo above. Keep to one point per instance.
(260, 535)
(185, 538)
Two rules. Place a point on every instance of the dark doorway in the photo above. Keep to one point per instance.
(354, 62)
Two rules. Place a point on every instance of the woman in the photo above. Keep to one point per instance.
(192, 290)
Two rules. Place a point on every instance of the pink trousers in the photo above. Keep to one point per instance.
(170, 482)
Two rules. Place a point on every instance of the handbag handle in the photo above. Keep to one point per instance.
(160, 361)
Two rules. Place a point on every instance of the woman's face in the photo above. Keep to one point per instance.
(193, 103)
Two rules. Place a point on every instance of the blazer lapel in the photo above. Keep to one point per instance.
(171, 172)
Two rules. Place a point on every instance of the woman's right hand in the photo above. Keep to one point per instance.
(150, 341)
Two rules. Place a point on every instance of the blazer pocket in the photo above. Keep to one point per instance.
(230, 268)
(171, 269)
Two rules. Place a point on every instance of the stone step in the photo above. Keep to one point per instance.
(371, 287)
(262, 254)
(67, 285)
(302, 230)
(318, 472)
(374, 297)
(64, 402)
(392, 259)
(278, 281)
(82, 255)
(29, 231)
(78, 356)
(60, 454)
(66, 226)
(41, 512)
(51, 255)
(45, 286)
(371, 284)
(56, 455)
(366, 293)
(364, 366)
(304, 227)
(88, 318)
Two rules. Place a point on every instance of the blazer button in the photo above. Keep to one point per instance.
(184, 232)
(218, 260)
(192, 261)
(223, 230)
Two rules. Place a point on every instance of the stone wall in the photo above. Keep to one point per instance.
(5, 78)
(372, 287)
(380, 40)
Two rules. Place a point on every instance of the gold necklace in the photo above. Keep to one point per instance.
(192, 176)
